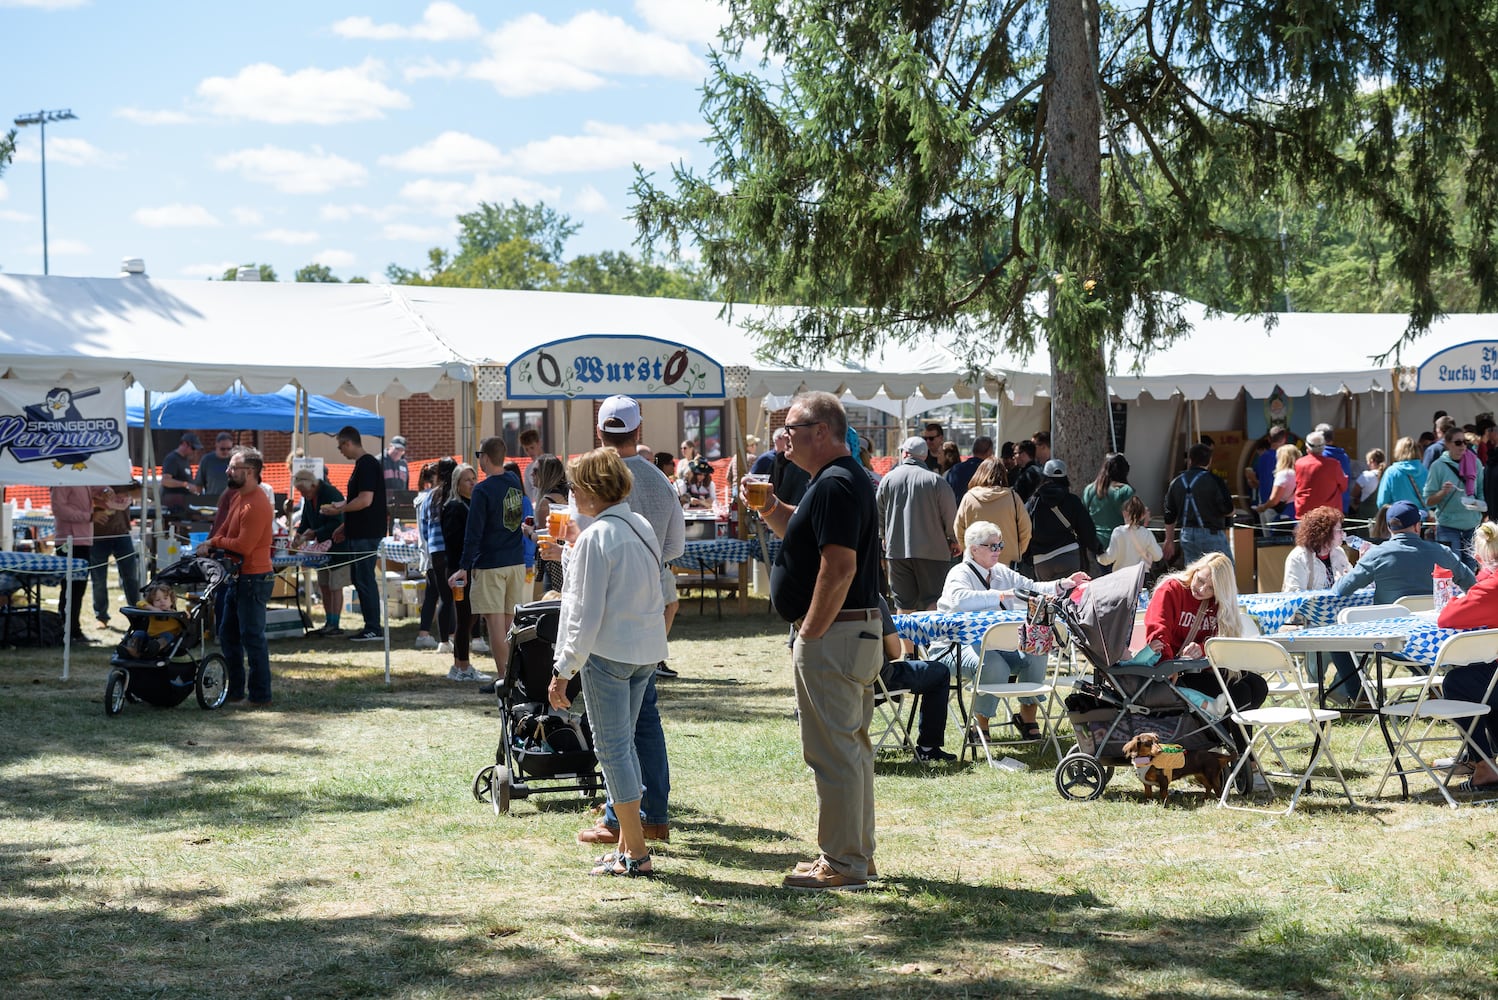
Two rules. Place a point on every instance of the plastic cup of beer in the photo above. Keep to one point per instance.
(458, 591)
(543, 545)
(556, 521)
(757, 491)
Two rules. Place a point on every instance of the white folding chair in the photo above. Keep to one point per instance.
(1268, 658)
(888, 728)
(1417, 602)
(1005, 636)
(1393, 688)
(1428, 710)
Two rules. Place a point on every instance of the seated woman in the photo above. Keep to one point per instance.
(698, 489)
(1477, 608)
(1187, 609)
(1317, 562)
(982, 583)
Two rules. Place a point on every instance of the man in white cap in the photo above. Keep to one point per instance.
(393, 465)
(652, 496)
(917, 509)
(1319, 479)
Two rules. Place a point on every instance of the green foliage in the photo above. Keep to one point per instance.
(316, 272)
(267, 273)
(7, 149)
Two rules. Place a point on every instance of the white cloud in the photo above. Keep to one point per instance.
(207, 270)
(430, 68)
(141, 116)
(531, 55)
(246, 216)
(265, 93)
(404, 231)
(605, 147)
(454, 197)
(292, 171)
(60, 248)
(590, 201)
(688, 20)
(174, 216)
(343, 213)
(65, 150)
(442, 22)
(11, 215)
(335, 258)
(291, 237)
(449, 153)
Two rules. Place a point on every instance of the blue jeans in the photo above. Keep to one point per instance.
(364, 552)
(1197, 542)
(655, 770)
(931, 679)
(126, 559)
(1458, 541)
(1344, 674)
(998, 667)
(243, 636)
(614, 692)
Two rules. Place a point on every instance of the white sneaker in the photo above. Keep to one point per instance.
(454, 673)
(444, 647)
(425, 642)
(467, 674)
(479, 646)
(1260, 785)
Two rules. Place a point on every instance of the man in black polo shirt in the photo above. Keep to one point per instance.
(363, 527)
(826, 582)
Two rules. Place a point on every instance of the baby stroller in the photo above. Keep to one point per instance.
(1123, 699)
(164, 668)
(540, 749)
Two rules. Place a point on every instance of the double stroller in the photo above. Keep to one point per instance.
(161, 659)
(540, 749)
(1121, 700)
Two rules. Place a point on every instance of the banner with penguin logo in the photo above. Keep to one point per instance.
(63, 435)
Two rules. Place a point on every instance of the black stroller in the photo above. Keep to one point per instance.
(1122, 700)
(163, 668)
(540, 750)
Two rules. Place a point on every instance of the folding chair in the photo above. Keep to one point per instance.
(1374, 692)
(1268, 658)
(1479, 646)
(889, 726)
(1005, 636)
(1417, 602)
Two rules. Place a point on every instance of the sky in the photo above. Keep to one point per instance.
(345, 134)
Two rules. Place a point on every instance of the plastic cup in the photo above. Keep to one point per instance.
(757, 491)
(557, 520)
(458, 592)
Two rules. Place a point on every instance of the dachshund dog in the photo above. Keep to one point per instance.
(1158, 767)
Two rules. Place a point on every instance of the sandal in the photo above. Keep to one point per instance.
(1477, 787)
(616, 864)
(1028, 731)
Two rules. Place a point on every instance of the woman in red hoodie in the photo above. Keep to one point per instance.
(1187, 609)
(1477, 608)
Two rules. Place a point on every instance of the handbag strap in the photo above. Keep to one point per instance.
(1201, 614)
(649, 548)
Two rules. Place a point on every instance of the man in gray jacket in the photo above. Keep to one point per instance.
(916, 511)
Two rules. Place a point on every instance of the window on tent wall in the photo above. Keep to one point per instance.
(703, 426)
(512, 422)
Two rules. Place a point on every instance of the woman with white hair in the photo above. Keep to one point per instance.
(983, 582)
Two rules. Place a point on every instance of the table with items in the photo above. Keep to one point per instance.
(28, 572)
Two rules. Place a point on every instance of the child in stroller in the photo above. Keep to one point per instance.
(160, 660)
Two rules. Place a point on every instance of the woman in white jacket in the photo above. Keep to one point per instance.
(1317, 562)
(981, 582)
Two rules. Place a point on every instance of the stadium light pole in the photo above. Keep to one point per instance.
(41, 118)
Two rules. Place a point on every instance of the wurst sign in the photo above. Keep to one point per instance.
(603, 366)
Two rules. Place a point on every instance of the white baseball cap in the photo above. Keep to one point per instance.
(618, 415)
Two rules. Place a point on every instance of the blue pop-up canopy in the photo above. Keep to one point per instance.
(187, 409)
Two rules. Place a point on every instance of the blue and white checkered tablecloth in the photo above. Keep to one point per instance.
(1316, 607)
(401, 552)
(930, 627)
(50, 569)
(281, 560)
(710, 552)
(1422, 636)
(42, 523)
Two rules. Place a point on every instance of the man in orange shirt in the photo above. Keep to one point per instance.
(246, 531)
(1319, 479)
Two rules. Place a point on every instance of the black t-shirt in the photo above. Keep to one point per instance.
(838, 509)
(369, 522)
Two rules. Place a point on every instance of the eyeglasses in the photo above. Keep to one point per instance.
(930, 437)
(804, 423)
(992, 546)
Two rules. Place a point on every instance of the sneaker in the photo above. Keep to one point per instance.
(931, 755)
(821, 877)
(368, 635)
(444, 647)
(468, 674)
(479, 646)
(333, 633)
(661, 670)
(426, 642)
(1260, 785)
(455, 673)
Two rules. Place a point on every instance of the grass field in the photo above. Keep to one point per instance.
(332, 848)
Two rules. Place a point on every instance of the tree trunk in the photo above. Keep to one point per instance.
(1079, 431)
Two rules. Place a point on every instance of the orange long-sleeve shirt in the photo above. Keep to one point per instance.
(247, 530)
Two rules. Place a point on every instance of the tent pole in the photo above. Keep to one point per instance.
(1394, 411)
(150, 497)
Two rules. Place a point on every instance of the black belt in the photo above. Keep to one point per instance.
(850, 615)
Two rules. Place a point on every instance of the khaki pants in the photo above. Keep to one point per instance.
(834, 675)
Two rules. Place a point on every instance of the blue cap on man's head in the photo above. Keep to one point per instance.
(1403, 514)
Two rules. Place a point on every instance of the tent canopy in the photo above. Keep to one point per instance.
(187, 408)
(323, 337)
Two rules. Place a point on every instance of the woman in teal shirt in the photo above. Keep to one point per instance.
(1105, 496)
(1405, 479)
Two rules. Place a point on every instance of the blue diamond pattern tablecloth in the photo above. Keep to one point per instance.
(401, 552)
(930, 627)
(710, 552)
(281, 560)
(49, 568)
(43, 524)
(1422, 636)
(1316, 607)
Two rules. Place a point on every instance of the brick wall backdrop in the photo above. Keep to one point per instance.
(429, 426)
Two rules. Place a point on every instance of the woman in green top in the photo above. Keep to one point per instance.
(1106, 495)
(1457, 502)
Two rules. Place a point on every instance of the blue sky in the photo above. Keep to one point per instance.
(348, 134)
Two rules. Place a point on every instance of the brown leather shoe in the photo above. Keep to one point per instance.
(658, 831)
(602, 833)
(802, 867)
(822, 877)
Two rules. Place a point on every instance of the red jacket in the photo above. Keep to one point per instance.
(1319, 482)
(1477, 608)
(247, 530)
(1171, 614)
